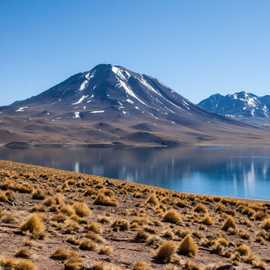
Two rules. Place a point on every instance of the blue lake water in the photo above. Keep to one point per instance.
(208, 170)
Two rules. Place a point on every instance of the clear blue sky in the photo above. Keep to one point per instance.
(197, 47)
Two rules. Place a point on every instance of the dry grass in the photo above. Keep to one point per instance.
(141, 265)
(24, 253)
(105, 200)
(187, 247)
(16, 264)
(63, 254)
(172, 216)
(87, 244)
(165, 252)
(229, 224)
(81, 209)
(34, 225)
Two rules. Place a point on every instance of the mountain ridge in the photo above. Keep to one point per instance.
(239, 104)
(110, 104)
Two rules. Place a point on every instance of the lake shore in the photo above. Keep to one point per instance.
(89, 221)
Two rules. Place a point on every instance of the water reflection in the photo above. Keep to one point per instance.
(231, 172)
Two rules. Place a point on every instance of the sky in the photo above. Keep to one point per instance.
(196, 47)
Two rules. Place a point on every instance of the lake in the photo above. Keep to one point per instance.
(208, 170)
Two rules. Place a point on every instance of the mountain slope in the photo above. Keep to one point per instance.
(112, 92)
(240, 104)
(112, 104)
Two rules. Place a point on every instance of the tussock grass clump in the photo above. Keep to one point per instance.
(244, 250)
(187, 247)
(94, 227)
(200, 208)
(266, 224)
(152, 200)
(34, 225)
(141, 265)
(154, 241)
(95, 237)
(3, 197)
(106, 250)
(72, 240)
(165, 252)
(229, 224)
(105, 266)
(24, 253)
(8, 218)
(207, 220)
(68, 210)
(141, 237)
(120, 225)
(260, 215)
(87, 244)
(16, 264)
(63, 253)
(194, 266)
(168, 234)
(81, 209)
(74, 263)
(70, 226)
(38, 194)
(172, 216)
(104, 220)
(105, 200)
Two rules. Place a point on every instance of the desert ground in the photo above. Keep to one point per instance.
(53, 219)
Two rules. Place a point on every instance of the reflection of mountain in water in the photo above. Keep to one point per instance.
(236, 172)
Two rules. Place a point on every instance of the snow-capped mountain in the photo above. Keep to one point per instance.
(112, 92)
(113, 105)
(240, 104)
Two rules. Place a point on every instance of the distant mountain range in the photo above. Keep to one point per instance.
(112, 104)
(238, 105)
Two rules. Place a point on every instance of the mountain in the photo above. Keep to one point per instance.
(238, 105)
(112, 104)
(111, 92)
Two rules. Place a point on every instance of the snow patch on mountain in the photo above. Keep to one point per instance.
(22, 109)
(77, 115)
(80, 100)
(101, 111)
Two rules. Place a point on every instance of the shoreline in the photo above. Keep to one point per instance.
(138, 183)
(26, 145)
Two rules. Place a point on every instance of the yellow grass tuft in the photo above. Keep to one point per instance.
(152, 200)
(63, 253)
(16, 264)
(87, 244)
(266, 224)
(34, 225)
(187, 247)
(165, 252)
(141, 265)
(120, 225)
(94, 227)
(24, 253)
(172, 216)
(81, 209)
(74, 263)
(105, 200)
(229, 223)
(200, 208)
(207, 220)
